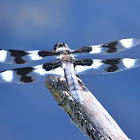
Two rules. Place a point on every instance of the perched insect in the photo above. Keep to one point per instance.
(66, 65)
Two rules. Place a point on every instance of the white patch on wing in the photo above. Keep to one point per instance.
(7, 75)
(34, 55)
(127, 43)
(129, 62)
(3, 55)
(40, 70)
(57, 71)
(96, 63)
(96, 49)
(80, 69)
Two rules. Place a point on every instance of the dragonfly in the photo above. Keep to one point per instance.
(66, 64)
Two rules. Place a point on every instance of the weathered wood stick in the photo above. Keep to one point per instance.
(91, 117)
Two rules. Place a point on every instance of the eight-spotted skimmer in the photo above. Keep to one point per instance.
(66, 65)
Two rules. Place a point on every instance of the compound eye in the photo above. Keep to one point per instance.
(61, 45)
(55, 46)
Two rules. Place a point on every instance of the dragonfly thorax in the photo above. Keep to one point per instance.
(66, 58)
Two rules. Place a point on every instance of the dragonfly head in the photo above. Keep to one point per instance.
(61, 46)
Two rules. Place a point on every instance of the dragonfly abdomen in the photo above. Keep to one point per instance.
(72, 82)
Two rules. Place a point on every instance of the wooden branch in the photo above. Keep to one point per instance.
(92, 119)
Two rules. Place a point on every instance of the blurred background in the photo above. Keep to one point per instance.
(29, 112)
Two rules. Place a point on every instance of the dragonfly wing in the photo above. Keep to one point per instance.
(98, 66)
(31, 74)
(111, 47)
(22, 57)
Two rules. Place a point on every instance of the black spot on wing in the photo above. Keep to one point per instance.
(83, 50)
(113, 64)
(45, 53)
(112, 68)
(111, 47)
(52, 65)
(83, 62)
(23, 73)
(26, 79)
(112, 61)
(19, 60)
(18, 54)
